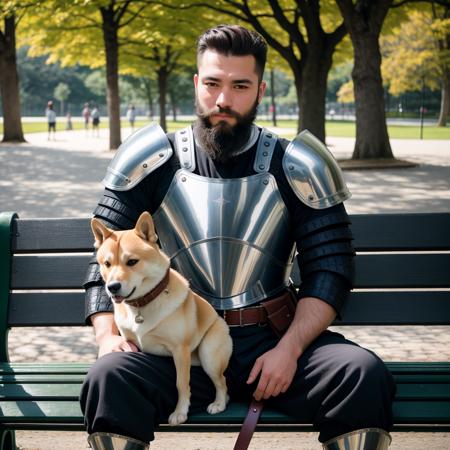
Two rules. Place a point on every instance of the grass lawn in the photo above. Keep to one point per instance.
(334, 128)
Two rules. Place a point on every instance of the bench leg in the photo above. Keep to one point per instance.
(366, 439)
(7, 440)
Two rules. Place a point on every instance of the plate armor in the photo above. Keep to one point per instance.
(231, 238)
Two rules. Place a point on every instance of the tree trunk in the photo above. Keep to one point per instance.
(173, 105)
(313, 89)
(9, 84)
(445, 101)
(309, 58)
(110, 28)
(162, 86)
(148, 91)
(364, 21)
(272, 98)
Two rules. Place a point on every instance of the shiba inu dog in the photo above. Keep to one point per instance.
(156, 310)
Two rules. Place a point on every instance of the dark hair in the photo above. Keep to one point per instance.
(234, 40)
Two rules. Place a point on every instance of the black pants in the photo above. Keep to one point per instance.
(339, 387)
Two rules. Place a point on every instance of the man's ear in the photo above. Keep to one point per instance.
(145, 228)
(101, 232)
(261, 90)
(196, 82)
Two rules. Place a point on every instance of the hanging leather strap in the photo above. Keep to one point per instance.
(249, 425)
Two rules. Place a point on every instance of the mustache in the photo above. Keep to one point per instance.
(219, 110)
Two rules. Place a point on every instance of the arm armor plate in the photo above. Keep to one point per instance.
(142, 153)
(326, 257)
(313, 173)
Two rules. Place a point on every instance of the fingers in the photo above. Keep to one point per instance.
(255, 371)
(268, 388)
(126, 346)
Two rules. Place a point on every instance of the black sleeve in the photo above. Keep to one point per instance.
(324, 244)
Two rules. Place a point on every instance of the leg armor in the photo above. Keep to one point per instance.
(109, 441)
(366, 439)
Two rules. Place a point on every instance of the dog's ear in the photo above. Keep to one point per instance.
(101, 232)
(145, 228)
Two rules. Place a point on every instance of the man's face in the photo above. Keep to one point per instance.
(227, 87)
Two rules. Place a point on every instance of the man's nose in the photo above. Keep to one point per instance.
(224, 99)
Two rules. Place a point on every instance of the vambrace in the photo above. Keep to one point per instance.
(96, 298)
(116, 215)
(326, 258)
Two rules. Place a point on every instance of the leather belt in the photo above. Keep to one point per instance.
(255, 315)
(252, 315)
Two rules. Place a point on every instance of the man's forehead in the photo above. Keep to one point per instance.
(216, 65)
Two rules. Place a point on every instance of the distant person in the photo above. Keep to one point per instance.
(51, 119)
(95, 114)
(86, 113)
(131, 116)
(69, 125)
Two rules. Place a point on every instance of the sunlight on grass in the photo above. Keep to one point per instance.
(334, 128)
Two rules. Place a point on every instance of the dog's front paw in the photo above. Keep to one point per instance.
(177, 417)
(216, 407)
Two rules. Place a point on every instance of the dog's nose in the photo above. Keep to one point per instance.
(114, 287)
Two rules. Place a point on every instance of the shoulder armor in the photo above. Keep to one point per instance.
(313, 173)
(142, 153)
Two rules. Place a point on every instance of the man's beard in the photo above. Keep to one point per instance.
(222, 140)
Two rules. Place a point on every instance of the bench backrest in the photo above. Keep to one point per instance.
(402, 270)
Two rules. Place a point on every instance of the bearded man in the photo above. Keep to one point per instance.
(232, 204)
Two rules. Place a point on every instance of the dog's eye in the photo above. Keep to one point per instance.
(107, 263)
(132, 262)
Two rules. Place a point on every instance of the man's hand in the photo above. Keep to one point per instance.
(115, 343)
(277, 368)
(108, 337)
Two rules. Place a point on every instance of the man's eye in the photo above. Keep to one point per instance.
(132, 262)
(241, 86)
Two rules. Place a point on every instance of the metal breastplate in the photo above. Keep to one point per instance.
(228, 237)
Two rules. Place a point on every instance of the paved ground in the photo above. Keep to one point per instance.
(62, 178)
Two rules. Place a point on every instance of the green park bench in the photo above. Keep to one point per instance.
(403, 278)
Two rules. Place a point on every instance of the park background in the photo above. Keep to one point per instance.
(369, 78)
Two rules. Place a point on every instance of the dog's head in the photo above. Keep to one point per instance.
(131, 262)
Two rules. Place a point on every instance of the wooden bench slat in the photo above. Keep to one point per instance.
(62, 411)
(31, 309)
(44, 378)
(374, 232)
(49, 272)
(23, 390)
(60, 368)
(403, 270)
(372, 271)
(40, 411)
(423, 391)
(409, 368)
(44, 235)
(362, 308)
(41, 391)
(399, 232)
(421, 412)
(397, 308)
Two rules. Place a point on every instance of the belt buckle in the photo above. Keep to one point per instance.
(240, 317)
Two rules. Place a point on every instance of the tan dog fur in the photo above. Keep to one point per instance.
(176, 323)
